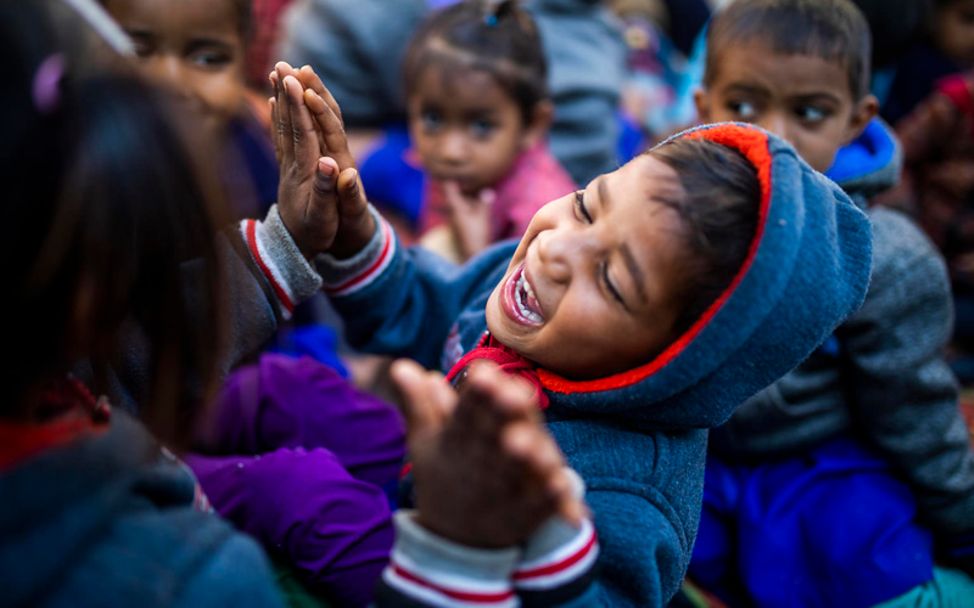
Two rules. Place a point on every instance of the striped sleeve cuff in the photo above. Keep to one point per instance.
(348, 276)
(558, 560)
(426, 569)
(290, 275)
(559, 556)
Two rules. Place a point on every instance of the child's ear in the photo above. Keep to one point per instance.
(536, 130)
(701, 98)
(865, 110)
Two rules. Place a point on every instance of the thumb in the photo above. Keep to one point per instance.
(428, 400)
(351, 196)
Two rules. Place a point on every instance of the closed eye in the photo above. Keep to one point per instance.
(610, 287)
(580, 207)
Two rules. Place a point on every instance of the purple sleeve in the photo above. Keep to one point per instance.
(335, 530)
(282, 402)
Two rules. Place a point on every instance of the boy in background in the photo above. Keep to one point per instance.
(838, 484)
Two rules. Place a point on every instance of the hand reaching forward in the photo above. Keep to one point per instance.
(487, 472)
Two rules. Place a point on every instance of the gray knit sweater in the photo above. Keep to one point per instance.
(887, 383)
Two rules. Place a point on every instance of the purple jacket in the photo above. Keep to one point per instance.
(298, 458)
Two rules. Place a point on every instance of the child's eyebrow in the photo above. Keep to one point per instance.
(817, 96)
(750, 89)
(637, 273)
(204, 41)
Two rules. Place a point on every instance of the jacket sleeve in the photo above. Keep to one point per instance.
(403, 302)
(902, 393)
(266, 277)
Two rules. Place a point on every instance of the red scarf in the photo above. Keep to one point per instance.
(507, 359)
(83, 414)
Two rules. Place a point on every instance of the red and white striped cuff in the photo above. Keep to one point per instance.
(345, 277)
(268, 266)
(564, 564)
(448, 590)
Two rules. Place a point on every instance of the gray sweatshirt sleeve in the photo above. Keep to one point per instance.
(903, 394)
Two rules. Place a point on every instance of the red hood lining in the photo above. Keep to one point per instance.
(753, 144)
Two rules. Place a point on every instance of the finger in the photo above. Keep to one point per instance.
(322, 205)
(332, 130)
(530, 444)
(487, 196)
(275, 132)
(283, 126)
(311, 80)
(305, 141)
(455, 204)
(510, 395)
(427, 399)
(565, 489)
(283, 69)
(353, 205)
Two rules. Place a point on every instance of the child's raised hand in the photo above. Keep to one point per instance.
(306, 194)
(487, 472)
(469, 218)
(320, 196)
(356, 224)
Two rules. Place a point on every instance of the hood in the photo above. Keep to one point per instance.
(806, 271)
(60, 505)
(870, 164)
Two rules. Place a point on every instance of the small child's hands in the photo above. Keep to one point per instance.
(469, 218)
(320, 196)
(487, 472)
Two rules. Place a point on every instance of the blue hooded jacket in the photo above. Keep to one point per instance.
(637, 439)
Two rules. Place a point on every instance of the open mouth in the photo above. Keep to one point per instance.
(522, 304)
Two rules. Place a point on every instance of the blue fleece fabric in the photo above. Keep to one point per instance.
(110, 521)
(873, 150)
(641, 448)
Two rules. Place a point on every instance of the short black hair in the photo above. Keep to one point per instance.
(834, 30)
(245, 19)
(719, 211)
(498, 38)
(108, 237)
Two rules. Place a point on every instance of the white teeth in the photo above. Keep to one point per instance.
(522, 292)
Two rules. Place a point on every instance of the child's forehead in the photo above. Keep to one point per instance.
(187, 17)
(460, 84)
(759, 65)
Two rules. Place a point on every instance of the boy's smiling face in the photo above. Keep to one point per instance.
(595, 286)
(194, 48)
(804, 99)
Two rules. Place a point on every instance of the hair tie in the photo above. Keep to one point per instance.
(491, 20)
(46, 88)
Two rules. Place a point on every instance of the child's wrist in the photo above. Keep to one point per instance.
(350, 240)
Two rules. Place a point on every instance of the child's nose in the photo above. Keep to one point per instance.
(558, 250)
(167, 71)
(453, 147)
(776, 123)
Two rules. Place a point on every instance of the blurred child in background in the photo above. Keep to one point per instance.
(478, 112)
(106, 204)
(947, 48)
(850, 481)
(198, 50)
